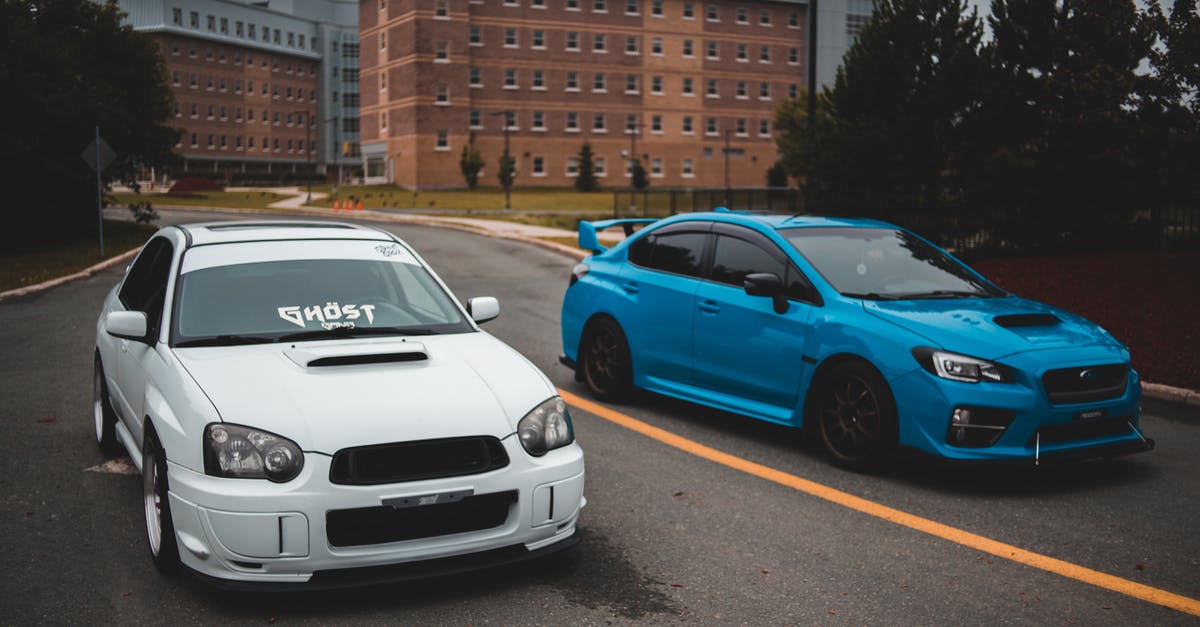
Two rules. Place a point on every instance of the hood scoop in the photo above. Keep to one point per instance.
(1027, 320)
(358, 355)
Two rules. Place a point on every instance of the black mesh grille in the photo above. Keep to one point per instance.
(416, 461)
(377, 525)
(1085, 385)
(1082, 430)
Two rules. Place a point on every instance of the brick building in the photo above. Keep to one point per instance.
(673, 82)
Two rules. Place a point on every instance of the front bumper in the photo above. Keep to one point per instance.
(1039, 430)
(238, 531)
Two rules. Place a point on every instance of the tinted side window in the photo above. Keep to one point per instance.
(680, 253)
(734, 258)
(145, 287)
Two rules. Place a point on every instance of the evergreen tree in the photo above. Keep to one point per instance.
(585, 181)
(470, 163)
(638, 178)
(1170, 109)
(508, 170)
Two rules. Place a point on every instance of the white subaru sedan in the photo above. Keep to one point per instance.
(309, 405)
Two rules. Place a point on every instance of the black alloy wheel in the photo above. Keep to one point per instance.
(856, 416)
(606, 362)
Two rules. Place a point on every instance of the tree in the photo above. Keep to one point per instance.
(68, 67)
(1170, 107)
(889, 136)
(585, 181)
(777, 175)
(637, 175)
(471, 162)
(508, 170)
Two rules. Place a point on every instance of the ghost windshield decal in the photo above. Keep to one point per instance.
(331, 315)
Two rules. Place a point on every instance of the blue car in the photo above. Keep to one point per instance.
(862, 332)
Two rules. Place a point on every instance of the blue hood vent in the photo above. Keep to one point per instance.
(1027, 320)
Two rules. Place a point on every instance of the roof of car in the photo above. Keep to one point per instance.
(204, 233)
(782, 221)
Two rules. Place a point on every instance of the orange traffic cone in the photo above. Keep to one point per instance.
(336, 206)
(359, 205)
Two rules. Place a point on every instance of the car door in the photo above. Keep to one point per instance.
(145, 290)
(742, 346)
(660, 283)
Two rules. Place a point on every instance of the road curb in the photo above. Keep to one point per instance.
(1172, 394)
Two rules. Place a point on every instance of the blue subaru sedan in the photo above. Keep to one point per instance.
(862, 332)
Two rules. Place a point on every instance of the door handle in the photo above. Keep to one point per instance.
(709, 306)
(631, 287)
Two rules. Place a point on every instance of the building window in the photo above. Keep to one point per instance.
(656, 85)
(764, 128)
(656, 46)
(178, 110)
(656, 124)
(710, 90)
(194, 144)
(741, 89)
(210, 141)
(475, 77)
(194, 22)
(383, 120)
(475, 119)
(631, 45)
(212, 23)
(382, 5)
(383, 40)
(177, 17)
(599, 84)
(656, 168)
(600, 6)
(572, 5)
(539, 79)
(175, 79)
(250, 28)
(539, 39)
(539, 121)
(689, 11)
(631, 7)
(764, 17)
(740, 127)
(711, 50)
(793, 56)
(383, 83)
(510, 38)
(223, 113)
(301, 40)
(764, 91)
(572, 41)
(711, 13)
(599, 44)
(688, 87)
(764, 54)
(510, 120)
(443, 140)
(276, 36)
(793, 90)
(237, 114)
(742, 18)
(442, 95)
(510, 78)
(539, 166)
(193, 111)
(572, 166)
(631, 124)
(572, 80)
(441, 8)
(537, 4)
(442, 51)
(794, 19)
(688, 48)
(656, 8)
(743, 53)
(224, 26)
(631, 83)
(687, 169)
(600, 166)
(475, 36)
(598, 123)
(572, 124)
(238, 142)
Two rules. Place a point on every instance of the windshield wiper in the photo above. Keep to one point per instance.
(340, 332)
(871, 296)
(225, 340)
(944, 294)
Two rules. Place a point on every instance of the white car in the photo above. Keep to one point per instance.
(308, 404)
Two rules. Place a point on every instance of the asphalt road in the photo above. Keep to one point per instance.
(670, 537)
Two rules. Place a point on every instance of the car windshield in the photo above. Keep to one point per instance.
(885, 264)
(249, 293)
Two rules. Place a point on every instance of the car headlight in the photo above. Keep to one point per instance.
(245, 453)
(957, 367)
(546, 428)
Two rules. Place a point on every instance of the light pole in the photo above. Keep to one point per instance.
(506, 160)
(307, 117)
(726, 152)
(633, 160)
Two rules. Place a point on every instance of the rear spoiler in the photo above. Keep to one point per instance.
(588, 230)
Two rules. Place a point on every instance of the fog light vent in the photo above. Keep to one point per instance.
(977, 427)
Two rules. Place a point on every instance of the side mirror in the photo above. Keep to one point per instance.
(483, 308)
(128, 325)
(767, 284)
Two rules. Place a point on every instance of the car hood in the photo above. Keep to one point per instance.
(991, 328)
(330, 395)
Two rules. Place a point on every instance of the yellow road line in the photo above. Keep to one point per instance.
(958, 536)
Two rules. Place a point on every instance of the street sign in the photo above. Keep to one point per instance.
(98, 149)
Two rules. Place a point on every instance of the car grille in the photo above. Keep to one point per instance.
(377, 525)
(1085, 385)
(1082, 430)
(416, 461)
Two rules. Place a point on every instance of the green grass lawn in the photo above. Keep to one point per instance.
(482, 199)
(69, 257)
(233, 200)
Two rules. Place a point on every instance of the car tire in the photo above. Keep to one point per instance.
(606, 362)
(160, 528)
(103, 416)
(855, 415)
